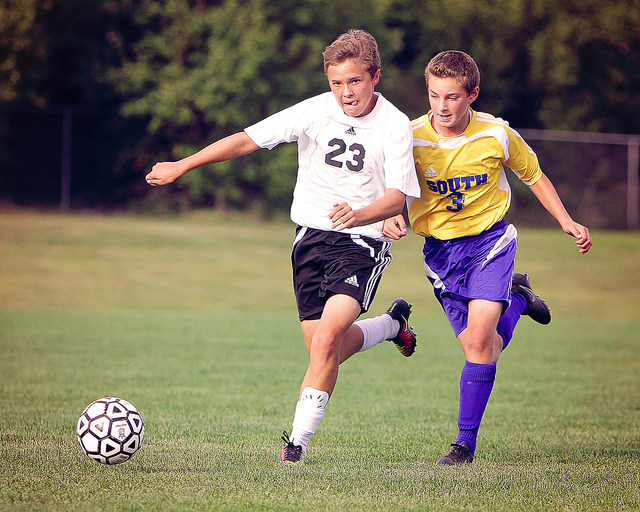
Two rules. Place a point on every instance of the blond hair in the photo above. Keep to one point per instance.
(454, 64)
(355, 44)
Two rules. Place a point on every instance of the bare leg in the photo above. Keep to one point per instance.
(480, 341)
(330, 341)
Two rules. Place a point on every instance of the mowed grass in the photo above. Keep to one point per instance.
(193, 320)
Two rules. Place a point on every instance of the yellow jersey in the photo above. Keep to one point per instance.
(464, 188)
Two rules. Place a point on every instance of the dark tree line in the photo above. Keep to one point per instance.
(148, 80)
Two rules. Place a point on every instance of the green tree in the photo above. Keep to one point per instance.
(52, 58)
(195, 76)
(586, 60)
(204, 70)
(16, 20)
(569, 64)
(53, 52)
(187, 72)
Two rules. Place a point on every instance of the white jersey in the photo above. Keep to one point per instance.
(342, 158)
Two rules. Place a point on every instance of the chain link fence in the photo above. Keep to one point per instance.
(64, 158)
(596, 175)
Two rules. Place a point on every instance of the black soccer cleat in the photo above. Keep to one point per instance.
(458, 455)
(537, 308)
(405, 340)
(290, 453)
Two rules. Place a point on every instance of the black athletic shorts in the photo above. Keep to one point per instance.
(327, 263)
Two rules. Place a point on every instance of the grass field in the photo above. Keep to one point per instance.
(192, 319)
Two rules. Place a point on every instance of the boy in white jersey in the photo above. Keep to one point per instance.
(355, 169)
(469, 249)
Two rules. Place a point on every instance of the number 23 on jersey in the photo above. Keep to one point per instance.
(355, 152)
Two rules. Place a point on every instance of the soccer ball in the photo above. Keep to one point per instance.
(110, 430)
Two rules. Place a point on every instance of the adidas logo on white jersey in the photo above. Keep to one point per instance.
(351, 131)
(430, 173)
(353, 281)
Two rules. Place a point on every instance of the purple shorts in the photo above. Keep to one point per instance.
(471, 267)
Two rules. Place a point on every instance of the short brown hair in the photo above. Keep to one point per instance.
(455, 64)
(354, 44)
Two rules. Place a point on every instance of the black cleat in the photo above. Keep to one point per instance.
(537, 308)
(405, 340)
(290, 453)
(458, 455)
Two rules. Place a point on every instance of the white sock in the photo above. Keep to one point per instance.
(309, 412)
(377, 329)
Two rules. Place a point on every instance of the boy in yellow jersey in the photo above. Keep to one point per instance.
(469, 249)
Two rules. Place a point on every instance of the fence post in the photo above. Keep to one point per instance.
(633, 161)
(65, 181)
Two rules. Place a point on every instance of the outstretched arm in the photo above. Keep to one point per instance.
(233, 146)
(548, 196)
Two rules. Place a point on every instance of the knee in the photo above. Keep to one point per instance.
(325, 345)
(479, 345)
(475, 351)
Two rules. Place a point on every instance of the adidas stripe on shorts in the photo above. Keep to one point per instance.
(472, 267)
(327, 263)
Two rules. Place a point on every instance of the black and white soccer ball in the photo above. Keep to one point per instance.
(110, 430)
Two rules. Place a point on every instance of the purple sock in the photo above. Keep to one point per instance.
(476, 383)
(508, 321)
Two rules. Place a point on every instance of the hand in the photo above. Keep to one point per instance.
(342, 217)
(581, 233)
(395, 227)
(163, 173)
